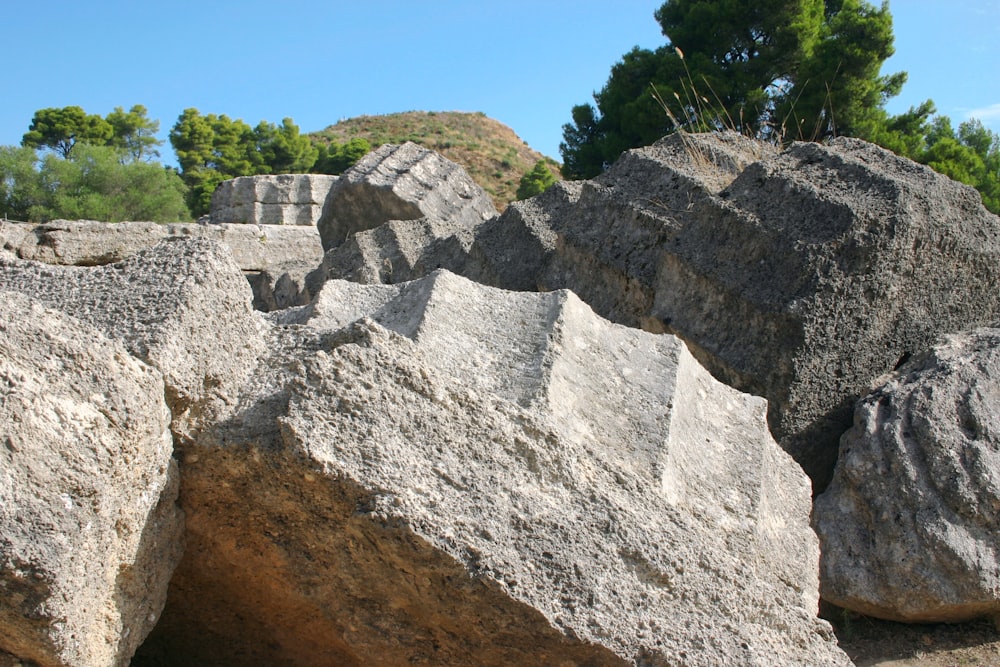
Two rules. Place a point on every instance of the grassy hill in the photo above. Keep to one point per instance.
(493, 155)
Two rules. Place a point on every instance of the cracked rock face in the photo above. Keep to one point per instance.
(909, 523)
(182, 306)
(274, 258)
(799, 276)
(89, 529)
(447, 472)
(401, 182)
(275, 199)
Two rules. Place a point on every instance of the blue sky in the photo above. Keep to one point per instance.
(522, 62)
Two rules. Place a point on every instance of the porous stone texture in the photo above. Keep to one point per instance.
(909, 523)
(89, 529)
(182, 306)
(448, 473)
(401, 182)
(398, 251)
(274, 258)
(798, 275)
(602, 239)
(278, 199)
(823, 268)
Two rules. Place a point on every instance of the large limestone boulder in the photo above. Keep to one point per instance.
(909, 524)
(820, 270)
(798, 275)
(274, 258)
(602, 239)
(277, 199)
(182, 306)
(399, 251)
(89, 529)
(448, 473)
(401, 182)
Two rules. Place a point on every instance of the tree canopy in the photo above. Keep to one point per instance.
(134, 133)
(536, 181)
(72, 164)
(337, 158)
(60, 129)
(774, 69)
(92, 183)
(970, 155)
(62, 168)
(212, 148)
(283, 150)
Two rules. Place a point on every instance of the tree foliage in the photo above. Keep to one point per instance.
(283, 150)
(213, 148)
(134, 133)
(970, 155)
(773, 69)
(536, 181)
(92, 183)
(60, 129)
(837, 88)
(18, 182)
(337, 158)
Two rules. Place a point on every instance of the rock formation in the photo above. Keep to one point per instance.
(277, 199)
(909, 524)
(401, 182)
(182, 307)
(415, 466)
(89, 530)
(799, 276)
(274, 258)
(450, 472)
(503, 478)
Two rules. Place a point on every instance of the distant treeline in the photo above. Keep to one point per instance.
(72, 164)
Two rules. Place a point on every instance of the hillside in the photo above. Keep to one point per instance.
(491, 152)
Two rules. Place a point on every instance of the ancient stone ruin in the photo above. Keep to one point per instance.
(470, 438)
(274, 258)
(798, 276)
(280, 199)
(910, 521)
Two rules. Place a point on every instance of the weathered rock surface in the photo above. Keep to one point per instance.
(401, 182)
(274, 258)
(182, 306)
(800, 276)
(89, 529)
(278, 199)
(846, 260)
(398, 251)
(450, 473)
(909, 524)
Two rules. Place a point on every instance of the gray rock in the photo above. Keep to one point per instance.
(909, 523)
(81, 242)
(401, 182)
(89, 528)
(182, 306)
(501, 478)
(820, 270)
(398, 251)
(799, 276)
(280, 199)
(274, 258)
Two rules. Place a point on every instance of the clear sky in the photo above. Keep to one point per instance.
(522, 62)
